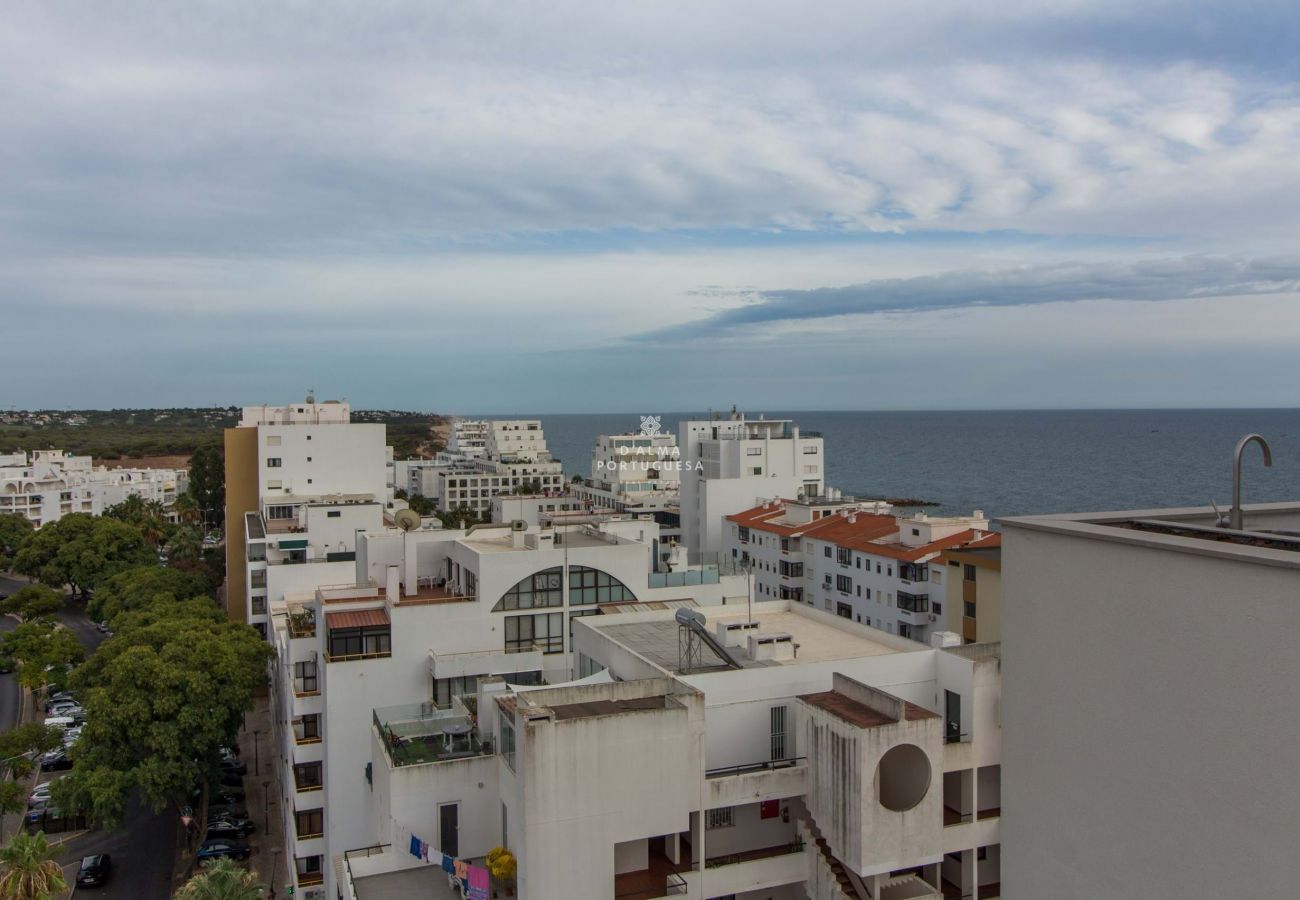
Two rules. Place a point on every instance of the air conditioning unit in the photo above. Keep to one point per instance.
(933, 617)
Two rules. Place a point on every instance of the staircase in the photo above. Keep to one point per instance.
(848, 884)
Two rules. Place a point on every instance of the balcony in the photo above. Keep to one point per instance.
(302, 624)
(913, 603)
(416, 733)
(774, 780)
(755, 870)
(660, 878)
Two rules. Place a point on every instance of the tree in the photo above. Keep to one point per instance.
(142, 587)
(45, 653)
(221, 879)
(35, 601)
(187, 509)
(28, 870)
(14, 529)
(185, 544)
(82, 551)
(208, 483)
(150, 516)
(162, 698)
(19, 745)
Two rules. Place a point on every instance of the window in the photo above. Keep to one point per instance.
(914, 603)
(308, 869)
(790, 569)
(753, 451)
(446, 688)
(281, 512)
(844, 584)
(936, 608)
(578, 614)
(916, 532)
(826, 551)
(333, 514)
(306, 729)
(304, 677)
(744, 535)
(537, 591)
(587, 586)
(970, 610)
(809, 449)
(307, 776)
(272, 440)
(968, 572)
(843, 610)
(546, 630)
(758, 470)
(720, 818)
(777, 716)
(372, 640)
(904, 630)
(507, 726)
(844, 556)
(273, 462)
(309, 823)
(274, 484)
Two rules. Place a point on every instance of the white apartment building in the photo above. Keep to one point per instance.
(636, 472)
(731, 464)
(856, 559)
(301, 481)
(45, 485)
(536, 509)
(517, 440)
(703, 753)
(423, 619)
(469, 438)
(1153, 718)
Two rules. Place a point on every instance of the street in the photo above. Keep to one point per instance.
(144, 849)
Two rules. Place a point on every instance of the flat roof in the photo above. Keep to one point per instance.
(591, 708)
(429, 882)
(858, 713)
(817, 641)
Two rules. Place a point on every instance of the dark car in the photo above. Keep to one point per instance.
(231, 779)
(227, 810)
(231, 764)
(94, 870)
(220, 848)
(55, 759)
(229, 826)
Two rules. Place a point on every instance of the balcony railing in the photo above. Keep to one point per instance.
(731, 859)
(418, 733)
(767, 766)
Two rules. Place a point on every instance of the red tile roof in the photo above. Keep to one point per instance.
(867, 533)
(357, 618)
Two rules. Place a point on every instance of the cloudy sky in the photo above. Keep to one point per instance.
(619, 206)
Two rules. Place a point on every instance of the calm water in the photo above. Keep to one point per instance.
(1015, 463)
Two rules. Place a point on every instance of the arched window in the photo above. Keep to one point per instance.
(537, 591)
(588, 586)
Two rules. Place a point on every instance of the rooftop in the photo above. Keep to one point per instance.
(429, 882)
(857, 713)
(816, 641)
(607, 707)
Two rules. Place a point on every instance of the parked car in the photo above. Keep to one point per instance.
(94, 870)
(228, 827)
(102, 627)
(230, 752)
(237, 766)
(62, 697)
(55, 759)
(231, 779)
(219, 848)
(227, 810)
(39, 794)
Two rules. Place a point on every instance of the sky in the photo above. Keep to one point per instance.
(570, 207)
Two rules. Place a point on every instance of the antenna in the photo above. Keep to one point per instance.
(406, 519)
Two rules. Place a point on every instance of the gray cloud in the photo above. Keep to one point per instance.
(1181, 278)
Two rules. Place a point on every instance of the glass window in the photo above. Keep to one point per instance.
(273, 462)
(588, 586)
(537, 591)
(544, 631)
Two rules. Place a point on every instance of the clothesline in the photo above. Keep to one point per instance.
(472, 881)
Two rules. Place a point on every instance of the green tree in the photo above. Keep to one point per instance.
(28, 869)
(150, 516)
(82, 551)
(142, 587)
(35, 601)
(19, 746)
(14, 529)
(208, 484)
(221, 879)
(185, 544)
(45, 653)
(187, 509)
(161, 699)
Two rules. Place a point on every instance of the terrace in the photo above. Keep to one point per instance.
(418, 733)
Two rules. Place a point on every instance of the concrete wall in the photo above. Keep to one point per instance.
(1151, 720)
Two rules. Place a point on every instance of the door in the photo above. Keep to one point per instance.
(952, 717)
(449, 828)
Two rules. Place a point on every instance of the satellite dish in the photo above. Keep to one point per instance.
(407, 519)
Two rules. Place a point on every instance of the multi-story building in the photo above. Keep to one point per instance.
(711, 752)
(969, 577)
(45, 485)
(301, 480)
(728, 465)
(469, 438)
(403, 644)
(636, 472)
(1152, 717)
(534, 509)
(852, 558)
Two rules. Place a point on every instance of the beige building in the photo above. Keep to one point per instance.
(970, 578)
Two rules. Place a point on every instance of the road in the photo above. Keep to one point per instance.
(144, 849)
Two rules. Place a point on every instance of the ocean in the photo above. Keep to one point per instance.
(1017, 462)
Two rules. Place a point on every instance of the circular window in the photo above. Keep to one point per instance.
(903, 777)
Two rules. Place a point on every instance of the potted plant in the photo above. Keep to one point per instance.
(502, 867)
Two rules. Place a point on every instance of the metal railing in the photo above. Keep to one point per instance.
(767, 766)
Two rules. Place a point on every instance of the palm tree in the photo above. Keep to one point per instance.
(28, 870)
(186, 508)
(185, 544)
(221, 879)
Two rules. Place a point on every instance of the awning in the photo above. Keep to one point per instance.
(357, 618)
(293, 544)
